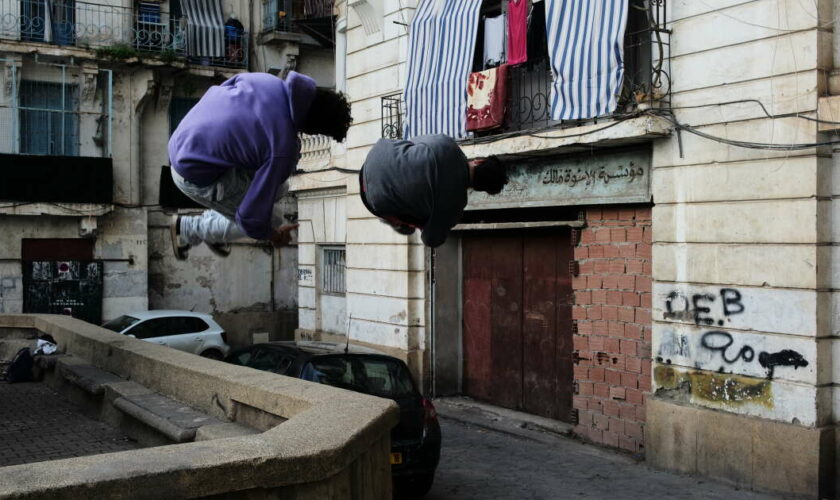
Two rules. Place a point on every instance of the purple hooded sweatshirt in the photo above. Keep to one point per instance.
(251, 121)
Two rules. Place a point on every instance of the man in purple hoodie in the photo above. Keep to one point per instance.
(235, 149)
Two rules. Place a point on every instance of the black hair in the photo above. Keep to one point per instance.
(489, 176)
(328, 115)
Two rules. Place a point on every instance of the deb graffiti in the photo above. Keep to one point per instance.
(698, 307)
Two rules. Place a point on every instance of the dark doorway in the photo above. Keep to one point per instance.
(61, 277)
(517, 320)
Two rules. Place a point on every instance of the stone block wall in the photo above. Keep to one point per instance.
(612, 316)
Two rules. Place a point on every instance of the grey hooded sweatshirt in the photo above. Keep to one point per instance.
(422, 182)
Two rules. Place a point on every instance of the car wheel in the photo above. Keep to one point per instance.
(212, 354)
(415, 487)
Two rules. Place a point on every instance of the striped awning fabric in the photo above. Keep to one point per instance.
(441, 43)
(205, 27)
(586, 47)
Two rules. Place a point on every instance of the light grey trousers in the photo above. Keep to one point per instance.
(218, 225)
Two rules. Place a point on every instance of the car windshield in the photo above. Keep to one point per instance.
(121, 323)
(372, 375)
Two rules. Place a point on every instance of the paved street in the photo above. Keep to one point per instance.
(39, 424)
(477, 463)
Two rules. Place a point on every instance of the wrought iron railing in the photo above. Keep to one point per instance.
(391, 116)
(117, 32)
(280, 15)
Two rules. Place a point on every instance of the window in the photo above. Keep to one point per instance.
(150, 329)
(151, 32)
(183, 325)
(383, 377)
(178, 109)
(49, 118)
(332, 275)
(270, 360)
(121, 323)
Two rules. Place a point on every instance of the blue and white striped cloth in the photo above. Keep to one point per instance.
(441, 44)
(586, 47)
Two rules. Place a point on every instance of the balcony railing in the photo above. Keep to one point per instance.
(118, 32)
(314, 147)
(281, 15)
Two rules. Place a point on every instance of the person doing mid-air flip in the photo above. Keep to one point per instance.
(422, 184)
(235, 149)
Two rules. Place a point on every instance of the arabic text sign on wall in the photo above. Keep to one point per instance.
(594, 178)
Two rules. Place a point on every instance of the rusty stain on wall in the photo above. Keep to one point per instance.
(722, 388)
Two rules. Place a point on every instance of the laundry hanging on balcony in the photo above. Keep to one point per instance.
(441, 44)
(205, 27)
(586, 47)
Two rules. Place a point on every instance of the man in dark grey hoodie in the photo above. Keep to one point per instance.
(422, 184)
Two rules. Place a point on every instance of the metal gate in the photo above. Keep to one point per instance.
(69, 287)
(517, 321)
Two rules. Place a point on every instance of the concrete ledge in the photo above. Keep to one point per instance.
(331, 440)
(745, 451)
(222, 431)
(89, 378)
(174, 420)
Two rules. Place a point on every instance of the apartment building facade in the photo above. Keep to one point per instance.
(91, 93)
(660, 276)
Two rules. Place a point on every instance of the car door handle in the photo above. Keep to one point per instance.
(198, 339)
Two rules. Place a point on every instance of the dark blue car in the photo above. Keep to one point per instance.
(415, 441)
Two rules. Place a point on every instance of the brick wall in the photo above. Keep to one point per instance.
(612, 313)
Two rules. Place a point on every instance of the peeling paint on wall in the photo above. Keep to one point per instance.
(720, 388)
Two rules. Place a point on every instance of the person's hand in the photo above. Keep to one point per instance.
(282, 236)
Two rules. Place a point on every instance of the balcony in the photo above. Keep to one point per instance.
(116, 32)
(305, 21)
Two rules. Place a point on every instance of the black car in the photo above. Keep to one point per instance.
(415, 441)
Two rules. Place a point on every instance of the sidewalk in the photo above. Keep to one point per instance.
(490, 452)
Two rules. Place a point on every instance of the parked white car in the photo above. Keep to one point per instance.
(186, 331)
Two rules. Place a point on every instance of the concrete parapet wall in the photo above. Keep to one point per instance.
(329, 440)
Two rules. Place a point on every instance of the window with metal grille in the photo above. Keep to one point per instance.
(332, 265)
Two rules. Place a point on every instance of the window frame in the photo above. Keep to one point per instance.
(337, 285)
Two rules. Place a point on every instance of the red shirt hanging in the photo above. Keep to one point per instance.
(517, 15)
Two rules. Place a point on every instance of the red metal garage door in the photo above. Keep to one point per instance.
(517, 320)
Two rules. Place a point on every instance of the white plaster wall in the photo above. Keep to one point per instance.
(745, 220)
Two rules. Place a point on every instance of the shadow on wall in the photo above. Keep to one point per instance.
(241, 326)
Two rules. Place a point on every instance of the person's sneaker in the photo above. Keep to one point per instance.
(220, 249)
(175, 234)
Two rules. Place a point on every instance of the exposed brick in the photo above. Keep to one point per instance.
(632, 331)
(628, 444)
(609, 313)
(578, 312)
(602, 235)
(609, 213)
(584, 328)
(586, 267)
(627, 315)
(627, 251)
(579, 282)
(602, 390)
(618, 235)
(614, 298)
(596, 435)
(593, 214)
(631, 381)
(602, 267)
(610, 439)
(616, 425)
(610, 282)
(612, 252)
(580, 372)
(644, 383)
(617, 393)
(648, 235)
(643, 284)
(617, 361)
(580, 342)
(643, 214)
(634, 396)
(615, 329)
(640, 414)
(634, 430)
(587, 236)
(599, 296)
(627, 282)
(643, 316)
(601, 422)
(626, 213)
(635, 234)
(596, 342)
(648, 268)
(594, 282)
(633, 364)
(586, 388)
(612, 377)
(612, 345)
(596, 374)
(596, 251)
(646, 365)
(583, 297)
(584, 418)
(600, 328)
(616, 267)
(628, 348)
(627, 412)
(579, 402)
(646, 300)
(581, 253)
(643, 250)
(635, 266)
(611, 408)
